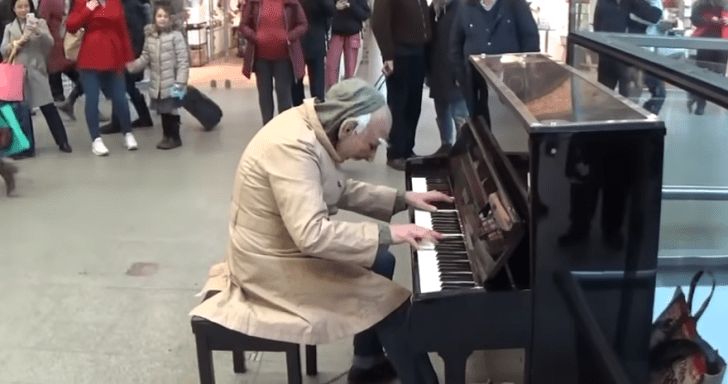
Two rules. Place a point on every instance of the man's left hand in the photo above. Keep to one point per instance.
(423, 200)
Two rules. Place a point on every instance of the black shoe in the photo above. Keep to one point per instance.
(65, 147)
(22, 155)
(169, 143)
(397, 164)
(110, 128)
(380, 373)
(139, 123)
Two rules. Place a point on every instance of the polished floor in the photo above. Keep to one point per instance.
(101, 258)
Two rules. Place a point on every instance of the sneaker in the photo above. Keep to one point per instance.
(131, 143)
(98, 148)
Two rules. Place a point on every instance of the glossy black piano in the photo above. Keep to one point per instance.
(580, 197)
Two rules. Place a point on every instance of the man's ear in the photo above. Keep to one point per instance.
(347, 128)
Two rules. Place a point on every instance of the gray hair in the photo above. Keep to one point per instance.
(348, 98)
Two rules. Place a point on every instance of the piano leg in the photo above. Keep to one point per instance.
(455, 365)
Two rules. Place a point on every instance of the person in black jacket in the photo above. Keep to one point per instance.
(449, 101)
(347, 24)
(613, 16)
(492, 27)
(318, 14)
(136, 20)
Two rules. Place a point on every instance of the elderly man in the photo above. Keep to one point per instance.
(294, 274)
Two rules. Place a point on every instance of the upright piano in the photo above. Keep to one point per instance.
(578, 195)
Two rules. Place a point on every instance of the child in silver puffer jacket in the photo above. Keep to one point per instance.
(165, 52)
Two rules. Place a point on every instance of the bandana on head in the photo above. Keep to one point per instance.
(348, 98)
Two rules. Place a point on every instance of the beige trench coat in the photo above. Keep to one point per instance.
(34, 56)
(292, 273)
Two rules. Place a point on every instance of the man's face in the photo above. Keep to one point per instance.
(364, 145)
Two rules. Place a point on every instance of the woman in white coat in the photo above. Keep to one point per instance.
(32, 40)
(295, 274)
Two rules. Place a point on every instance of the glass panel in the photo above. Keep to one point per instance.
(696, 155)
(553, 94)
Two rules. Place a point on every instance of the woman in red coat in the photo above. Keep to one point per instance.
(105, 50)
(274, 29)
(710, 18)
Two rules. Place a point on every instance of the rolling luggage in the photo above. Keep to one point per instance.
(206, 111)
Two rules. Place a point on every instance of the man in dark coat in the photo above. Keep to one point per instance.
(492, 27)
(450, 104)
(318, 14)
(136, 19)
(402, 30)
(613, 16)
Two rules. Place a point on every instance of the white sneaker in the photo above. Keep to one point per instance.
(131, 143)
(98, 148)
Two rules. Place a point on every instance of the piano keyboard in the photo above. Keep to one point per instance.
(446, 265)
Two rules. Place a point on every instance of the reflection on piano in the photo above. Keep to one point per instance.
(491, 283)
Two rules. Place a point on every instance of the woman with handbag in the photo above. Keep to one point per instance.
(28, 41)
(274, 29)
(105, 51)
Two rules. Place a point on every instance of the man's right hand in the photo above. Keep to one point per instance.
(388, 67)
(91, 5)
(413, 234)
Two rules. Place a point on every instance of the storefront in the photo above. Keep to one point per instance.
(210, 29)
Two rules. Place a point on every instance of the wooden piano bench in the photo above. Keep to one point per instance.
(210, 337)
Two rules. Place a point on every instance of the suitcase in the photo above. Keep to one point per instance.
(202, 108)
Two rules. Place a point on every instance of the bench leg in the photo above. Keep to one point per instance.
(239, 361)
(293, 361)
(204, 361)
(311, 365)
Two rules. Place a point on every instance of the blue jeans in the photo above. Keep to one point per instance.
(392, 334)
(114, 86)
(450, 114)
(266, 71)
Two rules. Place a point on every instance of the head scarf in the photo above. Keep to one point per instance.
(348, 98)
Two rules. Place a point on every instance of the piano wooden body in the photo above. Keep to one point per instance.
(582, 196)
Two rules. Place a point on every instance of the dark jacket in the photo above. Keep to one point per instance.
(53, 12)
(319, 14)
(6, 14)
(400, 22)
(513, 30)
(296, 25)
(439, 71)
(349, 21)
(610, 16)
(136, 19)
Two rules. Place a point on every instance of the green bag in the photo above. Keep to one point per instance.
(9, 119)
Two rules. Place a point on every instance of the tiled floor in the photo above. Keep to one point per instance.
(73, 313)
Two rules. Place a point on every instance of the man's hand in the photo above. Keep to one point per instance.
(388, 67)
(413, 234)
(91, 5)
(341, 5)
(422, 200)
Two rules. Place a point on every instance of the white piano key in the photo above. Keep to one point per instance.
(419, 184)
(423, 218)
(428, 271)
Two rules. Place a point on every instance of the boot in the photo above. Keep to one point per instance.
(170, 127)
(68, 106)
(7, 172)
